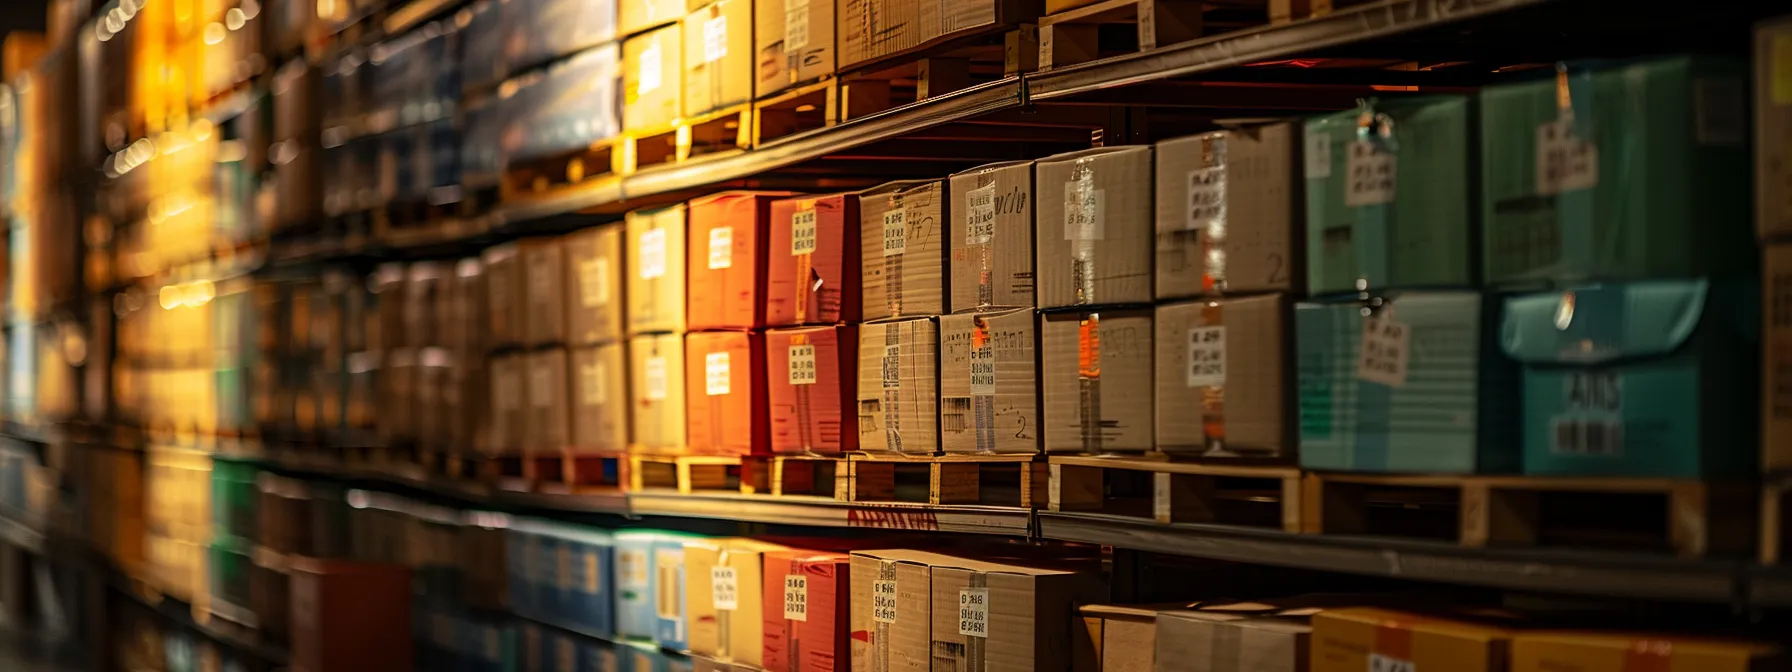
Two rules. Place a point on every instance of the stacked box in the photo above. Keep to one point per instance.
(869, 30)
(600, 397)
(1595, 651)
(655, 285)
(1223, 380)
(812, 376)
(807, 600)
(657, 392)
(671, 628)
(898, 386)
(991, 240)
(724, 598)
(636, 584)
(1228, 213)
(652, 83)
(548, 425)
(572, 106)
(541, 30)
(359, 617)
(794, 40)
(727, 260)
(568, 575)
(903, 260)
(718, 56)
(635, 16)
(1007, 616)
(812, 263)
(1093, 228)
(1095, 372)
(593, 285)
(726, 392)
(989, 394)
(1358, 638)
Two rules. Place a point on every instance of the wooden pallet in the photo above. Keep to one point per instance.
(510, 471)
(796, 110)
(798, 476)
(685, 473)
(1156, 488)
(571, 471)
(1286, 11)
(994, 480)
(598, 161)
(1776, 519)
(960, 62)
(1073, 36)
(1687, 517)
(718, 132)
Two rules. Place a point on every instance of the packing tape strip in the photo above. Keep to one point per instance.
(1214, 156)
(880, 637)
(1213, 397)
(1083, 229)
(893, 393)
(975, 648)
(1088, 369)
(724, 617)
(982, 405)
(805, 413)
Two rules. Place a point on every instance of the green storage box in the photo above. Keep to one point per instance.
(228, 574)
(1408, 227)
(236, 497)
(1645, 175)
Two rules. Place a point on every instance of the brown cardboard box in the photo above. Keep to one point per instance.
(898, 388)
(652, 79)
(1224, 377)
(388, 284)
(1361, 638)
(594, 285)
(1227, 210)
(812, 264)
(726, 262)
(470, 332)
(1773, 130)
(1776, 370)
(423, 288)
(1108, 234)
(1116, 638)
(807, 603)
(718, 56)
(1232, 643)
(1550, 651)
(892, 619)
(350, 617)
(600, 398)
(812, 374)
(656, 387)
(1096, 371)
(724, 598)
(545, 275)
(634, 16)
(903, 261)
(996, 616)
(509, 408)
(793, 42)
(992, 237)
(549, 425)
(655, 284)
(871, 29)
(989, 399)
(725, 399)
(506, 296)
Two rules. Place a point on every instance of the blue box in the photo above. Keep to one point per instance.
(579, 579)
(670, 629)
(1648, 378)
(634, 585)
(519, 551)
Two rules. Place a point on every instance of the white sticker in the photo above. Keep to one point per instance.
(653, 254)
(895, 233)
(1594, 422)
(591, 379)
(715, 374)
(796, 25)
(725, 591)
(594, 282)
(1565, 162)
(1207, 356)
(1381, 663)
(648, 80)
(973, 612)
(1386, 346)
(983, 369)
(1206, 197)
(1160, 497)
(802, 232)
(796, 597)
(883, 601)
(541, 388)
(892, 366)
(721, 247)
(1371, 175)
(980, 215)
(802, 365)
(1319, 155)
(655, 373)
(1082, 213)
(631, 566)
(715, 39)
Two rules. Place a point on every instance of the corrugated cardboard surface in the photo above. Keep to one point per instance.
(545, 278)
(813, 413)
(903, 274)
(1773, 130)
(870, 29)
(1776, 369)
(992, 263)
(726, 260)
(1097, 373)
(1346, 640)
(1120, 638)
(806, 601)
(1241, 406)
(813, 283)
(509, 407)
(725, 392)
(793, 41)
(549, 422)
(1244, 241)
(903, 642)
(467, 292)
(979, 417)
(594, 273)
(1028, 615)
(1108, 259)
(733, 635)
(656, 421)
(898, 391)
(652, 97)
(634, 16)
(1547, 651)
(507, 302)
(1231, 643)
(655, 290)
(600, 397)
(718, 56)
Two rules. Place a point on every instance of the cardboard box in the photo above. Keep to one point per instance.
(656, 387)
(898, 389)
(892, 618)
(350, 616)
(469, 333)
(549, 424)
(727, 259)
(1000, 616)
(600, 398)
(1362, 638)
(634, 16)
(724, 598)
(1225, 377)
(903, 271)
(656, 279)
(718, 56)
(506, 295)
(1773, 130)
(811, 379)
(509, 407)
(594, 285)
(424, 286)
(1094, 229)
(989, 397)
(1545, 651)
(388, 283)
(1229, 213)
(807, 597)
(1116, 638)
(725, 399)
(544, 271)
(1096, 372)
(652, 79)
(992, 237)
(635, 584)
(1776, 367)
(1233, 642)
(873, 29)
(793, 42)
(812, 264)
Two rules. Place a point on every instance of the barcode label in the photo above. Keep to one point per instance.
(1381, 663)
(715, 374)
(1600, 437)
(796, 597)
(1371, 175)
(725, 587)
(1082, 212)
(980, 217)
(1206, 197)
(802, 365)
(895, 233)
(647, 79)
(715, 39)
(796, 25)
(653, 253)
(1565, 162)
(892, 374)
(983, 370)
(721, 247)
(973, 612)
(883, 601)
(594, 282)
(1318, 155)
(1384, 353)
(1207, 356)
(654, 371)
(802, 233)
(954, 413)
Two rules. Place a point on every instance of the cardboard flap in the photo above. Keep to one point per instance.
(1602, 323)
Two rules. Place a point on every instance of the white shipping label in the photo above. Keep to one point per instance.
(591, 384)
(631, 566)
(802, 233)
(1381, 663)
(594, 282)
(721, 247)
(883, 601)
(973, 612)
(653, 254)
(648, 79)
(1318, 155)
(980, 215)
(796, 25)
(1565, 162)
(796, 597)
(895, 233)
(802, 365)
(1206, 198)
(724, 588)
(1370, 173)
(715, 39)
(1160, 497)
(1207, 356)
(1386, 347)
(654, 371)
(1082, 213)
(541, 388)
(983, 370)
(892, 366)
(715, 374)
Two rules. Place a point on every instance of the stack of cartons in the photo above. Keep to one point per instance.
(526, 313)
(988, 380)
(655, 290)
(652, 63)
(595, 333)
(811, 307)
(725, 360)
(903, 283)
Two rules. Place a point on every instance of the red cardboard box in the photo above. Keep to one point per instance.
(806, 602)
(811, 376)
(812, 264)
(725, 260)
(725, 392)
(350, 616)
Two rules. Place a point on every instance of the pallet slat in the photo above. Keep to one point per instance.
(951, 479)
(1180, 492)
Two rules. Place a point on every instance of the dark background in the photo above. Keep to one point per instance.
(22, 15)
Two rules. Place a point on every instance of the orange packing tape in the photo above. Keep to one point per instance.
(1088, 346)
